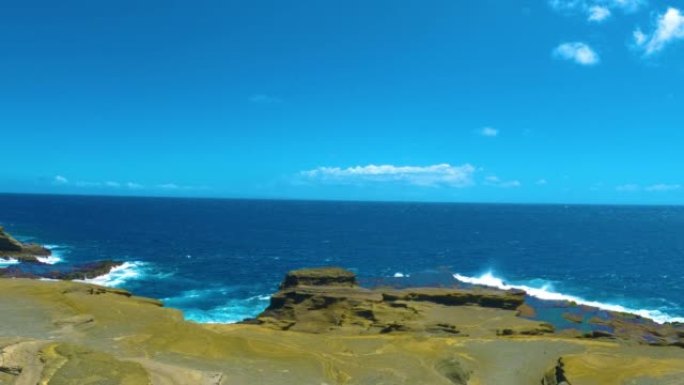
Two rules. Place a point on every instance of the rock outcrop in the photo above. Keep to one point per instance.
(327, 276)
(29, 253)
(10, 248)
(325, 300)
(78, 272)
(62, 333)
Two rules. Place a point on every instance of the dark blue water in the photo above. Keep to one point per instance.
(218, 260)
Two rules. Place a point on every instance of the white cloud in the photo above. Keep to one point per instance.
(578, 52)
(134, 186)
(660, 187)
(264, 99)
(541, 182)
(663, 187)
(110, 184)
(598, 13)
(127, 185)
(489, 132)
(669, 27)
(628, 187)
(436, 175)
(639, 37)
(495, 181)
(596, 10)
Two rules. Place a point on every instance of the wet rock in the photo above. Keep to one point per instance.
(526, 311)
(573, 317)
(87, 271)
(598, 321)
(509, 300)
(8, 243)
(80, 272)
(23, 252)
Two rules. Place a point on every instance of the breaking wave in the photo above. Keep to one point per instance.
(7, 262)
(233, 310)
(546, 292)
(119, 275)
(56, 257)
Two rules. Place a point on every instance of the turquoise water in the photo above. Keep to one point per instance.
(219, 260)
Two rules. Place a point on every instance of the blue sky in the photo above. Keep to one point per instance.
(569, 101)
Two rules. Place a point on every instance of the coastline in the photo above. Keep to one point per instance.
(608, 263)
(325, 330)
(321, 326)
(115, 274)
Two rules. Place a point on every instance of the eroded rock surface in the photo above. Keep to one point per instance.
(328, 300)
(60, 333)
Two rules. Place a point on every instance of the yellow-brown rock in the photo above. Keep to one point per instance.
(57, 333)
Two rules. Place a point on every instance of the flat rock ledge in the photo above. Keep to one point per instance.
(63, 333)
(324, 300)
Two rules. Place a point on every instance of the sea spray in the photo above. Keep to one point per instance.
(546, 293)
(232, 311)
(118, 275)
(56, 257)
(7, 262)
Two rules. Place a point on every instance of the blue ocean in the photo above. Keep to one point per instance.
(219, 260)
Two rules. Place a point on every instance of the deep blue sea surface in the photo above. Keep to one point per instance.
(218, 260)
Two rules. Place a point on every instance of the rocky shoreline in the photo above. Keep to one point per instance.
(322, 327)
(29, 265)
(10, 248)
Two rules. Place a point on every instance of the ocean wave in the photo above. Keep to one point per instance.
(234, 310)
(193, 295)
(7, 262)
(51, 260)
(119, 275)
(546, 292)
(51, 247)
(200, 305)
(57, 254)
(401, 275)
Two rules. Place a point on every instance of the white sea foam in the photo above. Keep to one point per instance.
(400, 275)
(56, 257)
(7, 262)
(546, 292)
(51, 260)
(53, 247)
(118, 275)
(234, 310)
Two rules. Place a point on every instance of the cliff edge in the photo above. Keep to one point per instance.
(321, 328)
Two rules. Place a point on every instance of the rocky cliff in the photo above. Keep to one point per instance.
(328, 300)
(321, 328)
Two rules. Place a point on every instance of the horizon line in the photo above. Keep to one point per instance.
(322, 200)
